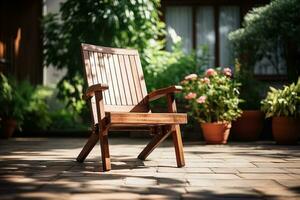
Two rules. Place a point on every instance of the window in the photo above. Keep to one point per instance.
(179, 19)
(204, 25)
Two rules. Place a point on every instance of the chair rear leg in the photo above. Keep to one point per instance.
(92, 141)
(177, 141)
(154, 143)
(103, 135)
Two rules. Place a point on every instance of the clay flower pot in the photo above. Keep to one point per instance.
(8, 126)
(249, 126)
(286, 130)
(216, 133)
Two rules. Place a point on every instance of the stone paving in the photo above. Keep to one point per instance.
(45, 168)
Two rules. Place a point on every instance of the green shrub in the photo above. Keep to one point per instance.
(267, 28)
(283, 102)
(24, 103)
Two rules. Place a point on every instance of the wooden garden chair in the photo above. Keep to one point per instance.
(118, 97)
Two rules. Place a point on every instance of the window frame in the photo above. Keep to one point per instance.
(244, 6)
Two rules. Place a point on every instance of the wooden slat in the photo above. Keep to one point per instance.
(147, 118)
(114, 79)
(99, 74)
(89, 47)
(141, 75)
(125, 80)
(87, 68)
(104, 77)
(93, 68)
(96, 77)
(136, 79)
(131, 80)
(120, 80)
(109, 80)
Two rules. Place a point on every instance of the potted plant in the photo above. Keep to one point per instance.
(249, 125)
(213, 99)
(12, 105)
(283, 106)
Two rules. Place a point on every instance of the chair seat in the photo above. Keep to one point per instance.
(120, 118)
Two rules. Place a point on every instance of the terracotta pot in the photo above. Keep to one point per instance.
(216, 133)
(249, 126)
(8, 126)
(285, 130)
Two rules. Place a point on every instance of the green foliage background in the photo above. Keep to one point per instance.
(267, 28)
(114, 23)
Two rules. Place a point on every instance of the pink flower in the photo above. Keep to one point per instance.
(190, 95)
(201, 99)
(191, 77)
(210, 72)
(227, 71)
(205, 80)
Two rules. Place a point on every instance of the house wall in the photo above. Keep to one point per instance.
(21, 39)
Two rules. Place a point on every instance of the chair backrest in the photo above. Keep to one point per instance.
(121, 70)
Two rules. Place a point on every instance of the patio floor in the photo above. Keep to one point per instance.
(45, 168)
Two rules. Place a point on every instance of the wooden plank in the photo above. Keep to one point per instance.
(163, 92)
(114, 79)
(109, 80)
(141, 75)
(120, 79)
(93, 68)
(131, 80)
(104, 77)
(125, 80)
(135, 75)
(147, 118)
(109, 50)
(99, 74)
(87, 68)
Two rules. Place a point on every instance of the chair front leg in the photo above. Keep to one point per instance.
(176, 134)
(103, 136)
(177, 141)
(103, 132)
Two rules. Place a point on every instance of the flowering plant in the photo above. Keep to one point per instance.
(212, 97)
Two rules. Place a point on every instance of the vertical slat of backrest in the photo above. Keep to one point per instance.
(95, 68)
(141, 75)
(102, 71)
(114, 79)
(89, 79)
(131, 80)
(125, 80)
(109, 79)
(135, 76)
(120, 79)
(87, 68)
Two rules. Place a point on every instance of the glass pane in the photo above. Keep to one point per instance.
(206, 31)
(179, 19)
(229, 20)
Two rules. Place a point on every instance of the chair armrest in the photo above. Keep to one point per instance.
(163, 92)
(90, 92)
